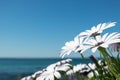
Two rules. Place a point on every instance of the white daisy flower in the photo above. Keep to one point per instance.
(84, 69)
(104, 41)
(49, 75)
(27, 78)
(69, 47)
(38, 73)
(53, 70)
(78, 67)
(97, 30)
(74, 46)
(115, 47)
(92, 66)
(91, 74)
(70, 72)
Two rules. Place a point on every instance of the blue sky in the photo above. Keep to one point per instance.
(39, 28)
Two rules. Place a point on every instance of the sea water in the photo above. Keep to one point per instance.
(16, 68)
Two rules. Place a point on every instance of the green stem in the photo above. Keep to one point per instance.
(88, 65)
(107, 59)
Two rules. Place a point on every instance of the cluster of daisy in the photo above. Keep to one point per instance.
(92, 39)
(89, 39)
(62, 70)
(52, 72)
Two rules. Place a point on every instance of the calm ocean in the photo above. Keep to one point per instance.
(14, 69)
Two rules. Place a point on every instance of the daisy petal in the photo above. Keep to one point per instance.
(94, 49)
